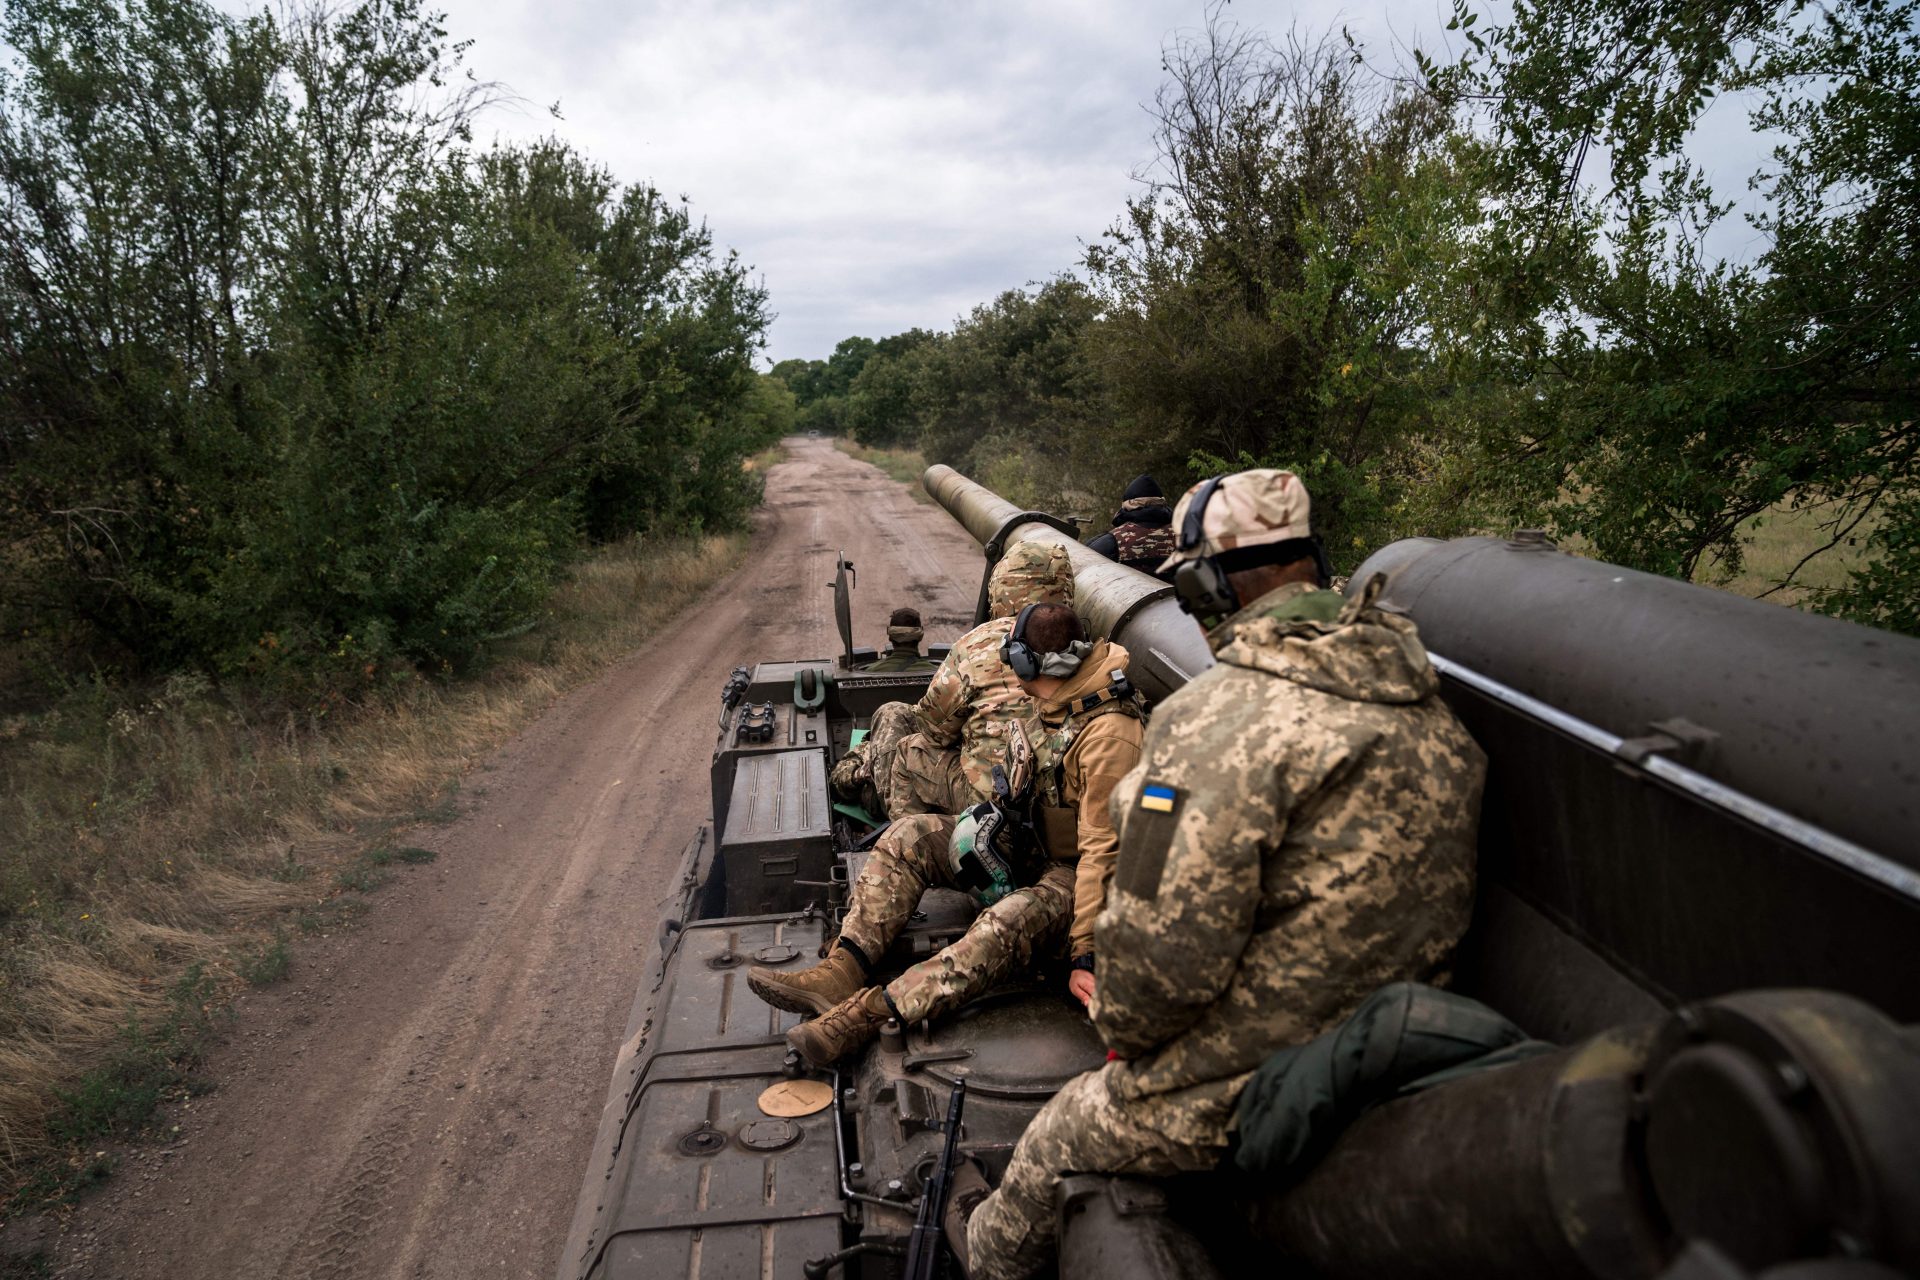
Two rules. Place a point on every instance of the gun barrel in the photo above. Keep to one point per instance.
(1131, 608)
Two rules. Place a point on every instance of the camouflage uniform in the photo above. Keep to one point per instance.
(945, 762)
(1142, 534)
(1300, 833)
(1142, 545)
(1081, 756)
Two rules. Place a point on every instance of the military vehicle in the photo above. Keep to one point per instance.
(1699, 875)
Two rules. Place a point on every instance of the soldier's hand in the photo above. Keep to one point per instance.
(1080, 982)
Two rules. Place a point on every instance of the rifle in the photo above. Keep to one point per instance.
(923, 1246)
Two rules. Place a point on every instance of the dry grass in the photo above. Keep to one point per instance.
(146, 840)
(769, 457)
(904, 465)
(1777, 542)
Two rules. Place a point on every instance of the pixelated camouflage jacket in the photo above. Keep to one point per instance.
(973, 702)
(1299, 833)
(1081, 755)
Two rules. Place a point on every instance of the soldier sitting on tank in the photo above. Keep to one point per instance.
(1038, 862)
(1142, 533)
(1300, 833)
(937, 755)
(903, 645)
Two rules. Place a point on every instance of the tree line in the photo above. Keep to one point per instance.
(1481, 293)
(300, 383)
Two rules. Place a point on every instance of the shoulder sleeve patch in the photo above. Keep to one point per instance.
(1158, 797)
(1146, 840)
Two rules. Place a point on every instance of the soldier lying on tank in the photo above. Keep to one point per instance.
(1038, 862)
(903, 645)
(1299, 833)
(1142, 534)
(937, 755)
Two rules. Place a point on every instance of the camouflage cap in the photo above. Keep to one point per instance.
(1247, 509)
(1029, 573)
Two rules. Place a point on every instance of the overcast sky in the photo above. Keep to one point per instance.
(881, 165)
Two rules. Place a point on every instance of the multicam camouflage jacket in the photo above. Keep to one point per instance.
(1299, 833)
(973, 702)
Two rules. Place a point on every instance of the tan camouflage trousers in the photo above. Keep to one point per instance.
(897, 772)
(1001, 942)
(1082, 1129)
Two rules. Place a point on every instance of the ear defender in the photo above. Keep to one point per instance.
(1016, 652)
(1200, 584)
(1204, 590)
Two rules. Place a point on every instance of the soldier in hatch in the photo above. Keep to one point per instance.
(1086, 738)
(1299, 834)
(1142, 534)
(904, 635)
(937, 755)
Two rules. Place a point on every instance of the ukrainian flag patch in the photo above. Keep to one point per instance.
(1157, 797)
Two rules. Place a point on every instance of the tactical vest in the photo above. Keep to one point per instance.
(1055, 821)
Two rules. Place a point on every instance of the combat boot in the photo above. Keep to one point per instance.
(963, 1197)
(814, 990)
(842, 1029)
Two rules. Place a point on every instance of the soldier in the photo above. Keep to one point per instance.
(1142, 533)
(1089, 732)
(1300, 832)
(903, 645)
(937, 756)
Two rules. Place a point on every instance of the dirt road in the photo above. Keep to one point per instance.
(420, 1097)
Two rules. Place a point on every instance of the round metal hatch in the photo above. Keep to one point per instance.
(704, 1141)
(1018, 1044)
(769, 1135)
(777, 953)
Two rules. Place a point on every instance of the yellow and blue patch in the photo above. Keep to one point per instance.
(1157, 797)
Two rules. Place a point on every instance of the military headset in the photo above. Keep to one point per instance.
(1202, 582)
(1016, 652)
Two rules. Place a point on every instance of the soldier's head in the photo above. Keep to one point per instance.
(1142, 496)
(1047, 645)
(1240, 536)
(904, 630)
(1029, 573)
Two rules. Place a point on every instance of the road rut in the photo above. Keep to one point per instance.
(419, 1099)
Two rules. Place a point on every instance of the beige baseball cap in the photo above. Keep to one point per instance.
(1246, 509)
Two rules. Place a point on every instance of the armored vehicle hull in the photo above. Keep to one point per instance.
(1698, 874)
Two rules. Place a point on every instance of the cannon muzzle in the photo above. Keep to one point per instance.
(1124, 605)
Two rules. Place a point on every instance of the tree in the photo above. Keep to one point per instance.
(1268, 296)
(1676, 396)
(299, 385)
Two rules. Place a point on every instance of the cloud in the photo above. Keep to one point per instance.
(881, 165)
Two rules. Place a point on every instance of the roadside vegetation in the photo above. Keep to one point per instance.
(332, 448)
(1481, 291)
(903, 464)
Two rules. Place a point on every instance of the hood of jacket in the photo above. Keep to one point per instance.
(1151, 511)
(1029, 573)
(1095, 674)
(1352, 649)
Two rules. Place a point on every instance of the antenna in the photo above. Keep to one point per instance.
(845, 578)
